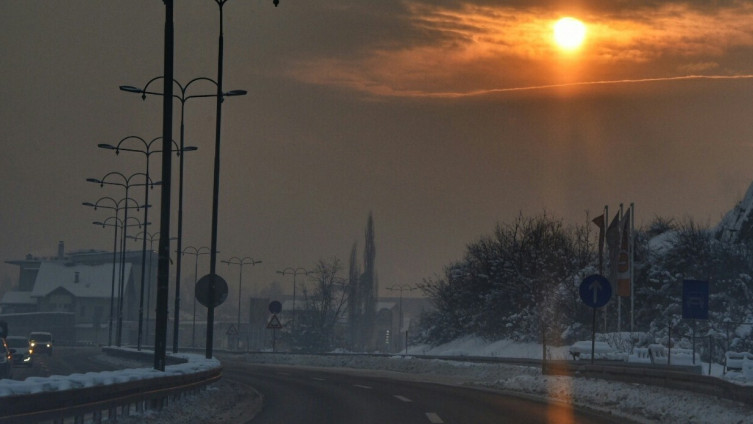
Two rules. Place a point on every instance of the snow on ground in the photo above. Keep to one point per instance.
(30, 385)
(641, 403)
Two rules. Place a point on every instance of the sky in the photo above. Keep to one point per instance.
(441, 118)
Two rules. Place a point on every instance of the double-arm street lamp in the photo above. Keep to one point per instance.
(120, 180)
(116, 207)
(147, 149)
(183, 97)
(151, 237)
(294, 272)
(401, 288)
(196, 252)
(240, 262)
(122, 224)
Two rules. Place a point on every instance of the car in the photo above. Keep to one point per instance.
(41, 342)
(21, 349)
(6, 360)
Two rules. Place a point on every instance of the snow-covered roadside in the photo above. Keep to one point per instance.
(226, 401)
(639, 402)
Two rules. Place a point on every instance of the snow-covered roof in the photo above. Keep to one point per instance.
(79, 280)
(18, 298)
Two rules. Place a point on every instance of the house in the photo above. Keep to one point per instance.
(82, 289)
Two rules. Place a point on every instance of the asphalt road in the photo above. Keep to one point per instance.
(322, 396)
(64, 360)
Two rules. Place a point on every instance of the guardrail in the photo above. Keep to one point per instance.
(681, 377)
(92, 404)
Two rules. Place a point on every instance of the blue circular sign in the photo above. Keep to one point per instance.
(275, 307)
(595, 291)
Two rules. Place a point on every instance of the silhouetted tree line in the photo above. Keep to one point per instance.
(521, 283)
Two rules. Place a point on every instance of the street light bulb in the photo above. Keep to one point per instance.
(130, 89)
(236, 93)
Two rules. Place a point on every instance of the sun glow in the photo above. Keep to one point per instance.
(569, 33)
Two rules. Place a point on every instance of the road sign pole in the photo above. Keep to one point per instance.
(593, 335)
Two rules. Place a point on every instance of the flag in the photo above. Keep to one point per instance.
(613, 247)
(623, 257)
(599, 220)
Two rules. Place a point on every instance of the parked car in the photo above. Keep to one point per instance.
(21, 349)
(41, 342)
(6, 360)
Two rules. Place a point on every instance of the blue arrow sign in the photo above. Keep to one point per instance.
(595, 291)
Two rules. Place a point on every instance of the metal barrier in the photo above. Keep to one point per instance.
(92, 404)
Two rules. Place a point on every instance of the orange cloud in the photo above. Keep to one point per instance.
(473, 49)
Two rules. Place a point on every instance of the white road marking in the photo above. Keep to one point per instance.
(403, 398)
(318, 379)
(361, 386)
(433, 418)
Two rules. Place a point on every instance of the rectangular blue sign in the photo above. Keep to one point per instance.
(695, 299)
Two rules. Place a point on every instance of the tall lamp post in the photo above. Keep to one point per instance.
(145, 148)
(196, 252)
(151, 237)
(122, 225)
(125, 183)
(294, 272)
(116, 207)
(240, 262)
(401, 287)
(183, 98)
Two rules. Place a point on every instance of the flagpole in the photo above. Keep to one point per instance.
(606, 225)
(632, 266)
(619, 298)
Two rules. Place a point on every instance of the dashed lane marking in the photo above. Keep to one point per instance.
(433, 418)
(361, 386)
(403, 398)
(318, 379)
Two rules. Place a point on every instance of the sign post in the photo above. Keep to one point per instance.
(695, 303)
(595, 291)
(274, 323)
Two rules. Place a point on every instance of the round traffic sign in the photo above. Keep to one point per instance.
(595, 291)
(275, 307)
(203, 286)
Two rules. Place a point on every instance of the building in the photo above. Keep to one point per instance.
(82, 289)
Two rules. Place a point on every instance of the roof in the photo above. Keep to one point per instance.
(18, 298)
(92, 281)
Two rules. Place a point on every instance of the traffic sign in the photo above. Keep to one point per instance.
(202, 290)
(595, 291)
(274, 323)
(275, 307)
(695, 299)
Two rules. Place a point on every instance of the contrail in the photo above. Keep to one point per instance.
(587, 83)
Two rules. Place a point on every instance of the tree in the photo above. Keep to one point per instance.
(517, 283)
(324, 306)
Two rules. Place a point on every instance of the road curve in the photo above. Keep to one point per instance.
(325, 396)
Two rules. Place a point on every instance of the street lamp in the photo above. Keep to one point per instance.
(240, 262)
(119, 224)
(126, 184)
(145, 235)
(402, 287)
(294, 272)
(116, 207)
(190, 250)
(146, 149)
(183, 98)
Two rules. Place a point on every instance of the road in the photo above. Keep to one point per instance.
(64, 360)
(322, 396)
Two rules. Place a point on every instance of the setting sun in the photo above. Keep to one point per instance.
(569, 33)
